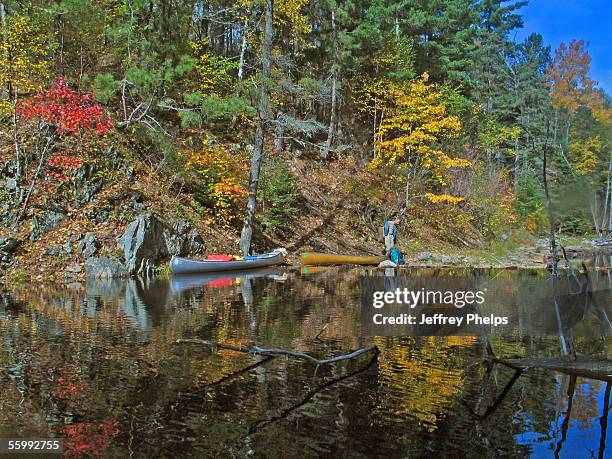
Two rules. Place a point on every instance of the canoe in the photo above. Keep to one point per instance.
(179, 265)
(322, 259)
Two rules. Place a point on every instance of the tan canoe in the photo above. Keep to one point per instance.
(321, 259)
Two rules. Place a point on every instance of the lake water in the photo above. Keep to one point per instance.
(98, 365)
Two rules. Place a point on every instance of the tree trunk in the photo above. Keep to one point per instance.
(41, 163)
(262, 121)
(517, 166)
(607, 210)
(334, 91)
(551, 220)
(243, 47)
(332, 118)
(5, 87)
(278, 133)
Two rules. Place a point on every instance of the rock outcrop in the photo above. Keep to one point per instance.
(88, 245)
(105, 268)
(50, 220)
(8, 245)
(148, 239)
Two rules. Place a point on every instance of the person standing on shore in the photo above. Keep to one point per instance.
(390, 234)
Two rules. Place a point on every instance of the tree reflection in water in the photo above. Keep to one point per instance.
(125, 382)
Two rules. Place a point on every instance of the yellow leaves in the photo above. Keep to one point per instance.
(227, 191)
(444, 198)
(600, 110)
(454, 163)
(414, 120)
(289, 13)
(493, 137)
(214, 72)
(221, 172)
(584, 153)
(23, 57)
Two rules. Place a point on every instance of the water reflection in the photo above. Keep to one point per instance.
(99, 365)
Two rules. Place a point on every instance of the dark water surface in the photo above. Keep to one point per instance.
(97, 364)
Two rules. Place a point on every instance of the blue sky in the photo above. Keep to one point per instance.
(562, 20)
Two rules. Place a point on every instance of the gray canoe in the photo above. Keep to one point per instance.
(180, 265)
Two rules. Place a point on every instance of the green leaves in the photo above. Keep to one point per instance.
(279, 193)
(104, 87)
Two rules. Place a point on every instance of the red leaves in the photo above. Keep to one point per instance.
(88, 438)
(63, 164)
(70, 112)
(67, 385)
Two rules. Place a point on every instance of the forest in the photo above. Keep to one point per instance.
(243, 116)
(133, 132)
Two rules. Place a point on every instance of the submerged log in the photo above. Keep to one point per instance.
(271, 352)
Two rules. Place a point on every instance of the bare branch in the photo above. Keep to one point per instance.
(266, 351)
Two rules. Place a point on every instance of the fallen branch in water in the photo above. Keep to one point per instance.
(594, 368)
(309, 396)
(322, 330)
(224, 379)
(265, 351)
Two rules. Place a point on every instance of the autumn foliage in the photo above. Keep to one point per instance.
(413, 124)
(88, 439)
(68, 111)
(24, 64)
(569, 81)
(220, 173)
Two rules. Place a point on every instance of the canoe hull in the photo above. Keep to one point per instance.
(179, 265)
(324, 259)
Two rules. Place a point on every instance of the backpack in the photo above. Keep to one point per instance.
(395, 255)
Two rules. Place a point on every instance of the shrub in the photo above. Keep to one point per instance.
(218, 177)
(278, 193)
(529, 204)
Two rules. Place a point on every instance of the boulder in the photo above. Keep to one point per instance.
(443, 259)
(148, 240)
(8, 245)
(75, 269)
(88, 245)
(11, 184)
(105, 268)
(53, 251)
(87, 184)
(183, 239)
(50, 220)
(71, 272)
(143, 243)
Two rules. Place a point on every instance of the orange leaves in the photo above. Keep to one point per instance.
(572, 90)
(228, 190)
(568, 75)
(222, 173)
